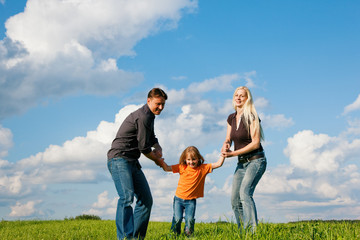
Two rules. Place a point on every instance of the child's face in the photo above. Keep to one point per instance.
(192, 161)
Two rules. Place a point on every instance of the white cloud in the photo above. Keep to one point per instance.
(303, 152)
(354, 127)
(11, 185)
(104, 28)
(104, 206)
(93, 211)
(77, 160)
(5, 141)
(103, 200)
(179, 78)
(58, 48)
(248, 78)
(319, 152)
(261, 103)
(326, 190)
(277, 121)
(353, 106)
(222, 83)
(24, 210)
(301, 204)
(323, 172)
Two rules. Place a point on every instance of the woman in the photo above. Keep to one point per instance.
(244, 129)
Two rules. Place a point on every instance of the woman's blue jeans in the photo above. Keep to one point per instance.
(180, 206)
(246, 177)
(130, 181)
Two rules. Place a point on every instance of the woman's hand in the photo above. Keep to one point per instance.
(226, 147)
(227, 154)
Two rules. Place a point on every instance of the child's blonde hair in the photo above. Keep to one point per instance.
(192, 152)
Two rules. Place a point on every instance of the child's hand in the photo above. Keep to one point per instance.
(227, 153)
(166, 167)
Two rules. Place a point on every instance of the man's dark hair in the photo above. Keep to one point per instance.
(157, 92)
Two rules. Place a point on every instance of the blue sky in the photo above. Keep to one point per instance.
(70, 71)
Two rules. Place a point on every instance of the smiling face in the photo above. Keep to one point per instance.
(240, 98)
(191, 157)
(192, 161)
(156, 104)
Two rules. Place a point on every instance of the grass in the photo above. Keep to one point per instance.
(105, 229)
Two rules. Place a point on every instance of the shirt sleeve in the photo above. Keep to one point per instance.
(208, 168)
(145, 134)
(175, 168)
(230, 118)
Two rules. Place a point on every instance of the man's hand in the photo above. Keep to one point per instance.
(159, 162)
(157, 150)
(155, 156)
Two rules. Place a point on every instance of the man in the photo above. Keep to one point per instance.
(135, 136)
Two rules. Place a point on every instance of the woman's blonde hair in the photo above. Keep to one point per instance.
(192, 152)
(249, 113)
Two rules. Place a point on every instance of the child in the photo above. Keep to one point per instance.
(190, 187)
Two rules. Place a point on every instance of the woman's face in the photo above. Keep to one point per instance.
(240, 98)
(191, 161)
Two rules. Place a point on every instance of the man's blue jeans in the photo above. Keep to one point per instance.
(246, 177)
(180, 206)
(130, 181)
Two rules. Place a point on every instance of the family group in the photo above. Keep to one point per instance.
(136, 136)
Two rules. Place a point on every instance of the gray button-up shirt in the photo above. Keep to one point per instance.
(135, 135)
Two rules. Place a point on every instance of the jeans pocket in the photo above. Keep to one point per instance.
(262, 163)
(260, 160)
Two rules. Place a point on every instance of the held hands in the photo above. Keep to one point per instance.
(161, 163)
(227, 154)
(226, 147)
(166, 167)
(225, 150)
(158, 159)
(157, 152)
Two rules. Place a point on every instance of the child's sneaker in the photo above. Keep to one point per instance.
(187, 232)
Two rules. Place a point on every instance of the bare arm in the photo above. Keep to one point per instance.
(227, 144)
(219, 163)
(154, 157)
(167, 168)
(157, 150)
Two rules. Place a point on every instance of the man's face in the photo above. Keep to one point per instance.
(156, 104)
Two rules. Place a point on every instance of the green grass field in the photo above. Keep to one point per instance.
(105, 229)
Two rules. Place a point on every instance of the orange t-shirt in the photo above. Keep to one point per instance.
(192, 180)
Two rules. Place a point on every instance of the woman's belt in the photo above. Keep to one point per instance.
(250, 157)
